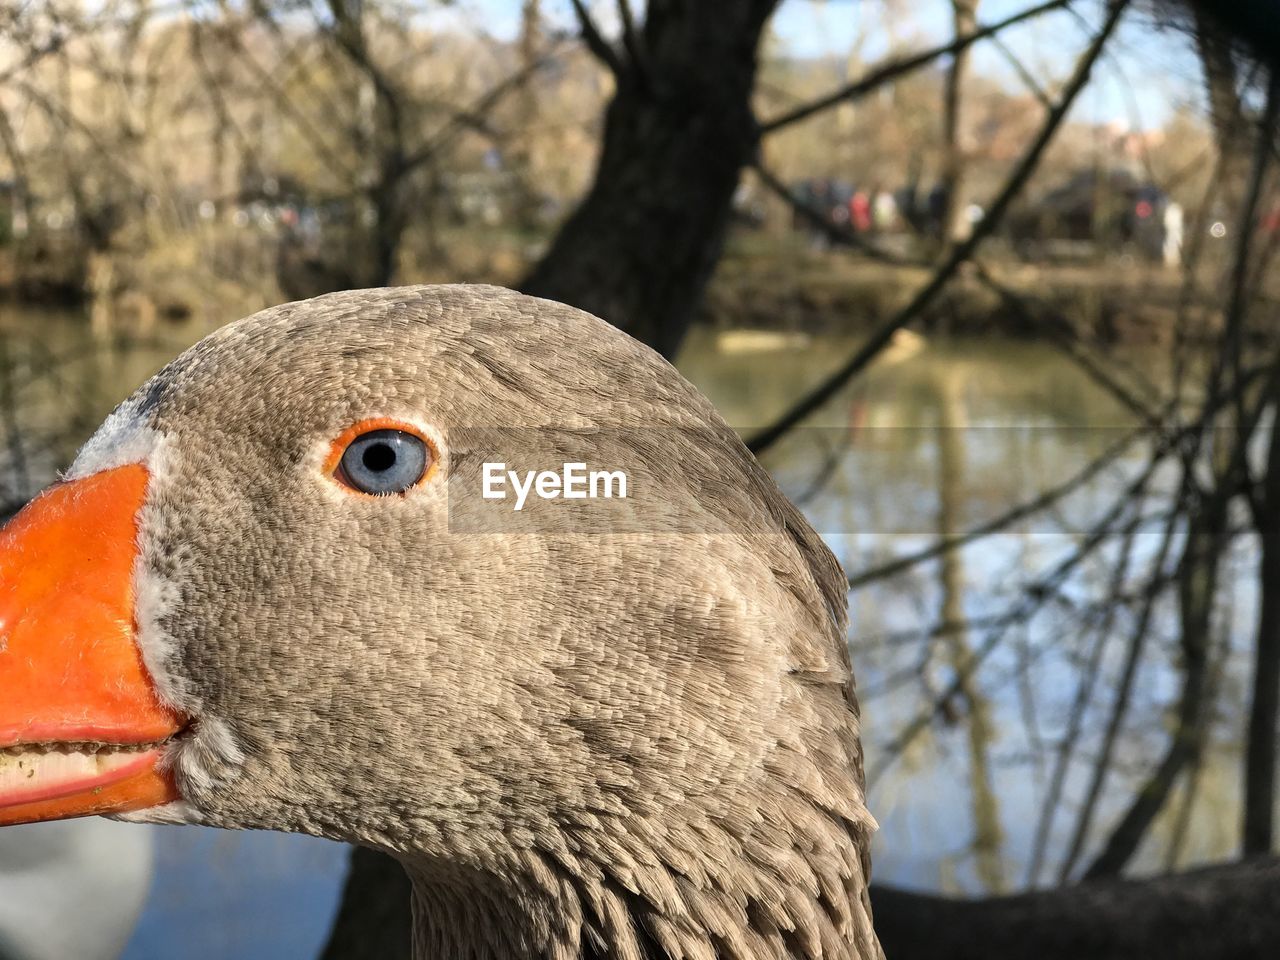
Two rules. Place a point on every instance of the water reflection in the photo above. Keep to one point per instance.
(962, 723)
(966, 722)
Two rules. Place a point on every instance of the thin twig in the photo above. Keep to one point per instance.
(959, 254)
(897, 67)
(1080, 706)
(1030, 507)
(1036, 595)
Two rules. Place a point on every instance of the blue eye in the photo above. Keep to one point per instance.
(384, 462)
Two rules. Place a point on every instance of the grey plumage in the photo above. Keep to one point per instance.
(580, 741)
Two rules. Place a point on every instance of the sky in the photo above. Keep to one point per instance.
(1147, 74)
(1156, 70)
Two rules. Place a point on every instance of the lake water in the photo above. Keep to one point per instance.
(940, 437)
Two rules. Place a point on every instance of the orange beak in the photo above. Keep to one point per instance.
(81, 727)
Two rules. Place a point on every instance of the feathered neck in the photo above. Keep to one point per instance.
(787, 879)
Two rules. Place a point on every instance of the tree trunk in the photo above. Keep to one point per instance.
(954, 227)
(1198, 574)
(1260, 755)
(523, 155)
(380, 143)
(637, 252)
(1214, 913)
(640, 249)
(1209, 914)
(1251, 24)
(374, 921)
(1226, 113)
(988, 837)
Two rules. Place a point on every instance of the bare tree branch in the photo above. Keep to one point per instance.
(1007, 519)
(820, 221)
(899, 66)
(1120, 705)
(600, 48)
(1033, 597)
(1023, 73)
(960, 253)
(632, 43)
(1060, 331)
(1085, 687)
(471, 117)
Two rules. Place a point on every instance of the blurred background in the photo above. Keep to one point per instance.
(987, 284)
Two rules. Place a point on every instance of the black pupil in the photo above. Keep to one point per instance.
(378, 457)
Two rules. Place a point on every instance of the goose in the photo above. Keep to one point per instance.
(269, 593)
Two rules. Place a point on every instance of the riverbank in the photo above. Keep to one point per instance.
(763, 282)
(1118, 302)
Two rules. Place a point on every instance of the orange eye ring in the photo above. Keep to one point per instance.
(333, 461)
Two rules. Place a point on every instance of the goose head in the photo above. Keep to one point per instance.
(271, 594)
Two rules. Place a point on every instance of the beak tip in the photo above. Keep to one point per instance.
(70, 665)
